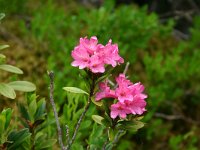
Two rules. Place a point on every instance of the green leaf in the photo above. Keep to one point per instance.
(7, 91)
(75, 90)
(23, 86)
(3, 47)
(98, 103)
(111, 134)
(41, 105)
(24, 112)
(130, 125)
(11, 68)
(2, 15)
(98, 119)
(8, 113)
(38, 122)
(18, 137)
(2, 123)
(138, 117)
(32, 108)
(46, 144)
(2, 56)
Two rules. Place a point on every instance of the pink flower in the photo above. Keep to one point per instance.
(122, 81)
(119, 109)
(137, 106)
(111, 55)
(89, 54)
(96, 64)
(90, 45)
(81, 58)
(130, 97)
(123, 93)
(105, 92)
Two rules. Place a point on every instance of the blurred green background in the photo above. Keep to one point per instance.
(160, 39)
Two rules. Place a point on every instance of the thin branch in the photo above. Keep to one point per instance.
(111, 83)
(79, 123)
(124, 72)
(180, 35)
(82, 116)
(67, 134)
(126, 68)
(176, 117)
(51, 76)
(168, 117)
(194, 5)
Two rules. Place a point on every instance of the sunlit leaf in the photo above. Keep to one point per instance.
(11, 68)
(32, 108)
(7, 91)
(130, 125)
(2, 56)
(2, 15)
(23, 86)
(8, 113)
(3, 47)
(2, 123)
(111, 134)
(75, 90)
(97, 119)
(98, 103)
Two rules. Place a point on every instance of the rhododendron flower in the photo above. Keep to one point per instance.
(105, 92)
(119, 109)
(130, 97)
(89, 54)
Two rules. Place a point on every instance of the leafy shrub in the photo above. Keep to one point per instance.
(168, 67)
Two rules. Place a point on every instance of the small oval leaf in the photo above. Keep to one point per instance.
(98, 119)
(7, 91)
(131, 125)
(75, 90)
(2, 56)
(2, 15)
(23, 86)
(98, 103)
(11, 68)
(3, 47)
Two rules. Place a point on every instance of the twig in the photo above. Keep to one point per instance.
(51, 76)
(67, 134)
(168, 117)
(178, 34)
(124, 72)
(111, 83)
(176, 117)
(82, 116)
(194, 5)
(126, 68)
(79, 123)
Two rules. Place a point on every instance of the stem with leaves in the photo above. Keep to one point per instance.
(92, 86)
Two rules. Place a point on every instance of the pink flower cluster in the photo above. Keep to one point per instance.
(130, 99)
(89, 54)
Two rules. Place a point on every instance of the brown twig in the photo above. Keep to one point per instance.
(51, 76)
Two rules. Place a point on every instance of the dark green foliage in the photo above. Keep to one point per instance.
(33, 135)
